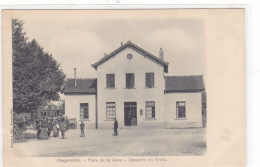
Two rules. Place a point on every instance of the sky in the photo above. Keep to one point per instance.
(77, 39)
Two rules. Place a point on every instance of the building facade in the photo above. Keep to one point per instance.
(131, 86)
(52, 109)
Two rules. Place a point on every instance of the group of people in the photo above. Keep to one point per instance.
(47, 125)
(82, 127)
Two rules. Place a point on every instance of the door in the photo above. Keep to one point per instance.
(130, 113)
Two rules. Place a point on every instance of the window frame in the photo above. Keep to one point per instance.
(84, 107)
(177, 109)
(112, 111)
(149, 83)
(110, 83)
(130, 81)
(152, 107)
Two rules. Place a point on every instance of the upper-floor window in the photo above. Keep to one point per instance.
(110, 80)
(149, 80)
(181, 109)
(84, 114)
(130, 80)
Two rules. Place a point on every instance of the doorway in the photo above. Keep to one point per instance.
(130, 113)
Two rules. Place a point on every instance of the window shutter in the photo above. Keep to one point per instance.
(112, 80)
(151, 80)
(107, 80)
(147, 80)
(132, 83)
(127, 82)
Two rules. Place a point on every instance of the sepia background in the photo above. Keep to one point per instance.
(223, 68)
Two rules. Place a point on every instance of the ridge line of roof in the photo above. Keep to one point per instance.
(122, 47)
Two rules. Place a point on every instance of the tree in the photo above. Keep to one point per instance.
(37, 77)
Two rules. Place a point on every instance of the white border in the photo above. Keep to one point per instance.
(252, 47)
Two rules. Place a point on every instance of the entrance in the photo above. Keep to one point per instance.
(130, 114)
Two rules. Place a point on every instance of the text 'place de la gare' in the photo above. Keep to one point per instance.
(132, 86)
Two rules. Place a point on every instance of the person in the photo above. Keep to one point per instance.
(55, 128)
(63, 127)
(115, 127)
(82, 126)
(49, 127)
(44, 127)
(67, 122)
(38, 127)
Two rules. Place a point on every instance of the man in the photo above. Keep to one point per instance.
(67, 122)
(63, 127)
(82, 126)
(115, 127)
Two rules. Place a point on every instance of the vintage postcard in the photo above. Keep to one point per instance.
(153, 87)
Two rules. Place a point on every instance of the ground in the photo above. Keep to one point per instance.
(130, 142)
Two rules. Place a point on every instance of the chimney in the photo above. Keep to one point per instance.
(75, 77)
(161, 54)
(105, 54)
(121, 43)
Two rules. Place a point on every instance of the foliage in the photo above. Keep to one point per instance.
(18, 128)
(37, 77)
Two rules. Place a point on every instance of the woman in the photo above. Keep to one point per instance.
(44, 133)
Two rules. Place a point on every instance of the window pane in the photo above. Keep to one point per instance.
(130, 80)
(110, 110)
(84, 111)
(150, 109)
(149, 80)
(110, 80)
(180, 109)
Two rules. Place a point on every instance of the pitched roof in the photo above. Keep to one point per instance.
(192, 83)
(84, 86)
(136, 48)
(53, 105)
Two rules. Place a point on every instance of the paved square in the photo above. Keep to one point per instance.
(130, 142)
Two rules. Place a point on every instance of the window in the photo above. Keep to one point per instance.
(181, 111)
(129, 56)
(84, 111)
(130, 80)
(110, 80)
(111, 110)
(149, 80)
(150, 109)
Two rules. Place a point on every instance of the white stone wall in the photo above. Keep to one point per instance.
(139, 65)
(72, 108)
(193, 110)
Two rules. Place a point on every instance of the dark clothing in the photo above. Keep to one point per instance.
(38, 133)
(115, 128)
(38, 127)
(49, 128)
(82, 126)
(44, 133)
(115, 132)
(63, 134)
(63, 128)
